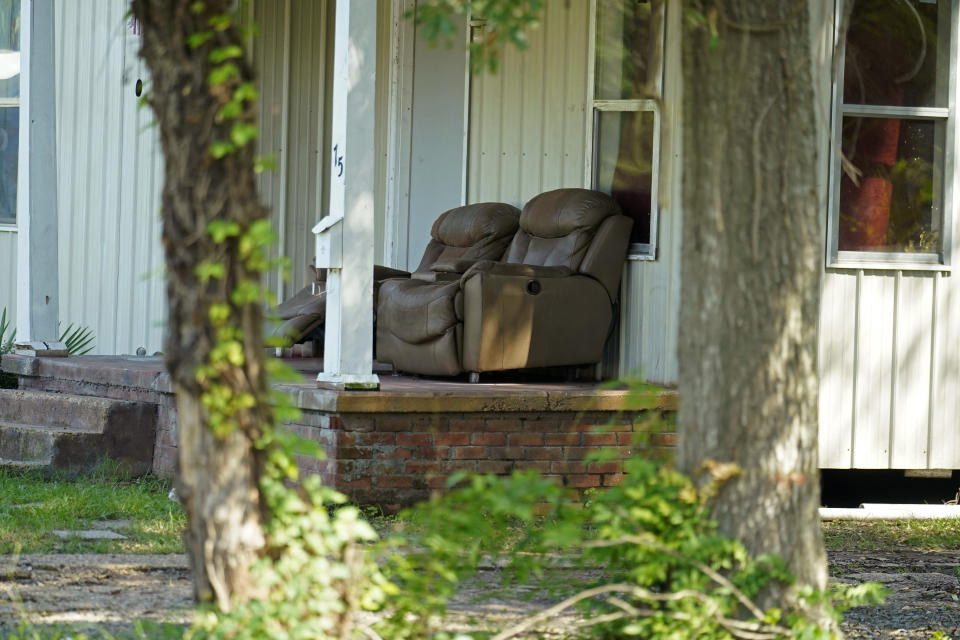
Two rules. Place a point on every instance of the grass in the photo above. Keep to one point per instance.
(915, 535)
(33, 505)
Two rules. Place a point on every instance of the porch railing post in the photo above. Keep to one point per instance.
(348, 348)
(38, 292)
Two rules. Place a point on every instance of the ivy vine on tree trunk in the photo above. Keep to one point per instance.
(214, 232)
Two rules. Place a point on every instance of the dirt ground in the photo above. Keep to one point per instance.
(109, 592)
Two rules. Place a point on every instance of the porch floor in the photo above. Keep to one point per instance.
(395, 446)
(506, 391)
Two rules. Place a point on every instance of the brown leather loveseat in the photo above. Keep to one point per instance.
(548, 302)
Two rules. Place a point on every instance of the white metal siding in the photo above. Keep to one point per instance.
(109, 178)
(8, 273)
(528, 121)
(889, 382)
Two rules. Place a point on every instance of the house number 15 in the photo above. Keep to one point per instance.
(337, 161)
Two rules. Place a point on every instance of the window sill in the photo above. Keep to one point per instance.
(8, 227)
(916, 262)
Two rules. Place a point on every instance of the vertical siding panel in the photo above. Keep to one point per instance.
(945, 429)
(302, 158)
(527, 122)
(554, 26)
(269, 64)
(836, 361)
(111, 161)
(126, 265)
(911, 423)
(531, 140)
(8, 274)
(491, 86)
(93, 93)
(157, 300)
(575, 92)
(511, 109)
(632, 317)
(74, 209)
(871, 439)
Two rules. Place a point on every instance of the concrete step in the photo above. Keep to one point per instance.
(67, 432)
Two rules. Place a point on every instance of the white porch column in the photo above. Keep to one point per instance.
(37, 269)
(348, 348)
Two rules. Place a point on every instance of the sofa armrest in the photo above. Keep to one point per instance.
(515, 269)
(518, 321)
(434, 276)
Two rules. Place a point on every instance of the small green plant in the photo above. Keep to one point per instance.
(664, 571)
(78, 339)
(6, 341)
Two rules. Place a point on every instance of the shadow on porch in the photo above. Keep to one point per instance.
(394, 446)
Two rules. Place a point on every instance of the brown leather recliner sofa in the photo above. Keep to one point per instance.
(459, 238)
(548, 302)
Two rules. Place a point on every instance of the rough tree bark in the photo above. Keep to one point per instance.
(750, 273)
(218, 476)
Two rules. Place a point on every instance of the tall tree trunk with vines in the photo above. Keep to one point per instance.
(751, 251)
(202, 97)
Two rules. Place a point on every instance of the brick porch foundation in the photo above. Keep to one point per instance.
(395, 446)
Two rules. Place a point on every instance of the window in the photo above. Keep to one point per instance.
(893, 118)
(628, 78)
(9, 107)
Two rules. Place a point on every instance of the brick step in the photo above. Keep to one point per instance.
(67, 432)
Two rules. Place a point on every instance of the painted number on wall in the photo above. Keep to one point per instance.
(337, 161)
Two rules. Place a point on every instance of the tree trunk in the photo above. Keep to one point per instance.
(750, 273)
(218, 471)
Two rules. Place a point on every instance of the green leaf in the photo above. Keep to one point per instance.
(220, 22)
(243, 132)
(209, 269)
(246, 293)
(228, 52)
(197, 40)
(220, 75)
(79, 340)
(220, 230)
(220, 149)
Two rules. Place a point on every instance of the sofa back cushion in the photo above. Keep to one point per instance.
(557, 227)
(466, 234)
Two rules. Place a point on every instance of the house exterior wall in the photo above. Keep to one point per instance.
(889, 373)
(111, 168)
(8, 272)
(529, 133)
(109, 180)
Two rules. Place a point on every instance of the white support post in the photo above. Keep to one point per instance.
(37, 269)
(348, 347)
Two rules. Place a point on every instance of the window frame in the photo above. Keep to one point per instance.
(944, 168)
(637, 250)
(7, 103)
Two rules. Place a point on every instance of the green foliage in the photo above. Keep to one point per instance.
(6, 341)
(667, 574)
(505, 22)
(78, 339)
(7, 380)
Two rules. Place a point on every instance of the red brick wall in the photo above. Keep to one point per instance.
(395, 459)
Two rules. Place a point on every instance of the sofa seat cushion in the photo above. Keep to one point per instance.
(416, 311)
